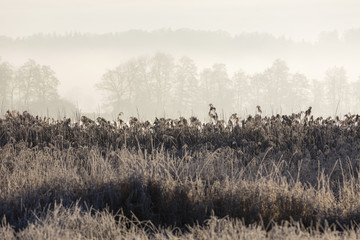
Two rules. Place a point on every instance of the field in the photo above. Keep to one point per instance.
(278, 177)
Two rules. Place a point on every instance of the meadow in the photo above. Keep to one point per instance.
(263, 177)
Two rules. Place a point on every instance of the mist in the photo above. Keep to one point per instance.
(231, 47)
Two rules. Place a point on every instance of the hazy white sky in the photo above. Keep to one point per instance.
(298, 19)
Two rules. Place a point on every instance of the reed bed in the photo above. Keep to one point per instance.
(279, 177)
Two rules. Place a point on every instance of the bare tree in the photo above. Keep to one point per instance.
(186, 84)
(35, 84)
(46, 86)
(206, 86)
(162, 70)
(257, 89)
(318, 97)
(216, 86)
(336, 89)
(355, 92)
(300, 92)
(115, 85)
(141, 81)
(241, 89)
(27, 77)
(131, 78)
(6, 77)
(277, 84)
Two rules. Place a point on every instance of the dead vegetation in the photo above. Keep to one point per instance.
(260, 176)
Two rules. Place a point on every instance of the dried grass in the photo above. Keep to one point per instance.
(90, 190)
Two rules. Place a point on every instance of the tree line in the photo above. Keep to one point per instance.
(162, 84)
(187, 38)
(31, 86)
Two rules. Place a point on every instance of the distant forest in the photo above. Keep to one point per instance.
(186, 39)
(32, 87)
(153, 78)
(162, 84)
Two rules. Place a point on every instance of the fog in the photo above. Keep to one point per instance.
(298, 19)
(82, 40)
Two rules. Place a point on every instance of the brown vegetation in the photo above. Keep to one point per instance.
(249, 178)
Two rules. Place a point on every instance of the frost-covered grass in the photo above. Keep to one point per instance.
(52, 188)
